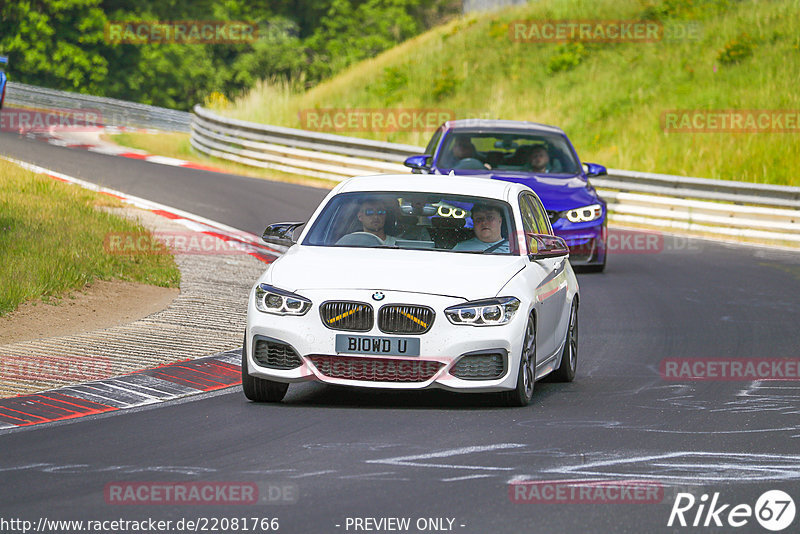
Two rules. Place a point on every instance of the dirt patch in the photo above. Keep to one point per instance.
(103, 304)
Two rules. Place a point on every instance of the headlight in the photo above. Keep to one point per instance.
(486, 312)
(585, 214)
(279, 302)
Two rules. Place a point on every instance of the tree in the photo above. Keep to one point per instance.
(55, 43)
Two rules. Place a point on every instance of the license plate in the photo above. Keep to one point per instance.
(390, 346)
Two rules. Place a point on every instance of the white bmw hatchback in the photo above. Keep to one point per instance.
(414, 282)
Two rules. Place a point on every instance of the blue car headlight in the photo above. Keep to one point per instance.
(584, 214)
(486, 312)
(279, 302)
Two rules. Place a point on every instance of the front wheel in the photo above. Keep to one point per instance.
(526, 376)
(569, 357)
(258, 389)
(594, 267)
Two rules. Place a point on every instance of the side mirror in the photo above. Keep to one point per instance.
(593, 169)
(541, 246)
(281, 233)
(418, 163)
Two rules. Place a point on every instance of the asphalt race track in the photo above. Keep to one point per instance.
(327, 456)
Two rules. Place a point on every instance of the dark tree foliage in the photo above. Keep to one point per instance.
(62, 44)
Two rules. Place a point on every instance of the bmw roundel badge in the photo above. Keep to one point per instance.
(378, 295)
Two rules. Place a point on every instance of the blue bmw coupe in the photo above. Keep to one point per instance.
(3, 80)
(536, 155)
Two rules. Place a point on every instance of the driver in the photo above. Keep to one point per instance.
(539, 160)
(487, 222)
(463, 149)
(465, 156)
(372, 216)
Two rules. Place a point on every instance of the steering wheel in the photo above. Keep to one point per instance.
(470, 163)
(360, 239)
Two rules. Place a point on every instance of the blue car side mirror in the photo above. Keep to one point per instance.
(418, 163)
(593, 169)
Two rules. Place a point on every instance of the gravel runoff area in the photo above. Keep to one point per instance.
(207, 317)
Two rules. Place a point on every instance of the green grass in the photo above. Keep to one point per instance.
(609, 98)
(173, 145)
(52, 236)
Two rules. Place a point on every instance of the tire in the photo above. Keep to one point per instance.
(526, 376)
(258, 389)
(594, 267)
(569, 357)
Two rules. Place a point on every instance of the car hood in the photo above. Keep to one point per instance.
(468, 276)
(557, 194)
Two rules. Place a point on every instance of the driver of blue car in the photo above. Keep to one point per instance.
(464, 154)
(487, 223)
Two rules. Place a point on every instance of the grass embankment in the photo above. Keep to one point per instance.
(608, 97)
(177, 145)
(52, 241)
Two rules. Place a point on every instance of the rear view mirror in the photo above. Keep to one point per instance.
(506, 144)
(541, 246)
(281, 233)
(418, 209)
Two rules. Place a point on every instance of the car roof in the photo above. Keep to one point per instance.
(473, 185)
(498, 125)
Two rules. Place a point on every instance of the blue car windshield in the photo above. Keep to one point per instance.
(410, 220)
(540, 153)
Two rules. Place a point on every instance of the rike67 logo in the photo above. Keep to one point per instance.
(774, 510)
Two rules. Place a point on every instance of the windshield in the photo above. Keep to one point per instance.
(408, 220)
(540, 153)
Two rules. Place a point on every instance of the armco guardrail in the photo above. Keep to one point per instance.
(705, 188)
(114, 112)
(333, 157)
(699, 205)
